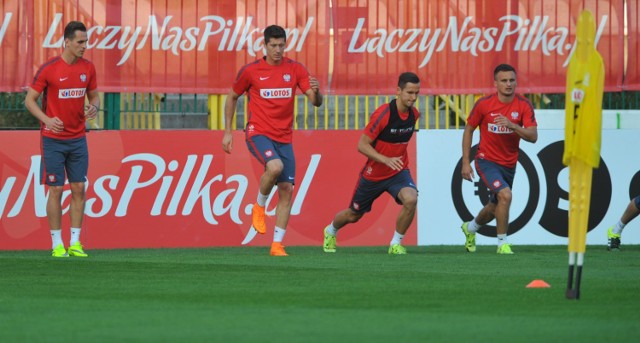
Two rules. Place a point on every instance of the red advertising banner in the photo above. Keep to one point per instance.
(632, 76)
(14, 59)
(455, 45)
(189, 46)
(351, 46)
(151, 189)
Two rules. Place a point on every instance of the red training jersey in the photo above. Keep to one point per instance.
(390, 134)
(64, 87)
(499, 144)
(271, 93)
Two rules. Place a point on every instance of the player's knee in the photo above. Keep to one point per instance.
(505, 196)
(353, 217)
(410, 202)
(409, 198)
(285, 187)
(55, 191)
(77, 188)
(285, 191)
(274, 167)
(356, 218)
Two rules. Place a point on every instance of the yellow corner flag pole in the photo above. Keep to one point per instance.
(583, 134)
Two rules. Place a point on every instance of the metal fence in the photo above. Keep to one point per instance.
(153, 111)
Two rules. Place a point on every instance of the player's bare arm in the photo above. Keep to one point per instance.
(529, 134)
(31, 103)
(91, 110)
(365, 147)
(467, 172)
(229, 110)
(313, 93)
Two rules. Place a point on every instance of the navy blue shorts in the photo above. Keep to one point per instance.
(265, 150)
(64, 155)
(495, 176)
(637, 201)
(368, 191)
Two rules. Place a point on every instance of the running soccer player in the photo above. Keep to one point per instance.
(504, 118)
(64, 82)
(384, 142)
(271, 84)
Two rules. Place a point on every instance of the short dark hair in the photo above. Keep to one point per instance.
(72, 27)
(503, 67)
(407, 77)
(274, 31)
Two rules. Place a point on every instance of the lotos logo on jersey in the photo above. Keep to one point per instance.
(498, 129)
(71, 93)
(401, 131)
(275, 93)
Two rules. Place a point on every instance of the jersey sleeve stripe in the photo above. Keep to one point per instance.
(380, 117)
(301, 65)
(245, 67)
(483, 99)
(522, 98)
(53, 60)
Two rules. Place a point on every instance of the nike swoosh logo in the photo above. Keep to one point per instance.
(63, 78)
(264, 78)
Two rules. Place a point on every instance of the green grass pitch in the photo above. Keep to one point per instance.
(359, 294)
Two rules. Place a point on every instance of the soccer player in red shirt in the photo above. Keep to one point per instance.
(384, 143)
(271, 84)
(64, 82)
(503, 118)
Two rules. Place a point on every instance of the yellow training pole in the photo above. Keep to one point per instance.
(583, 133)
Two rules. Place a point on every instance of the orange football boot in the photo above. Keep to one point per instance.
(277, 249)
(257, 217)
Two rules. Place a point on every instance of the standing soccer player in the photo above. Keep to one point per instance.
(384, 142)
(504, 118)
(64, 82)
(271, 84)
